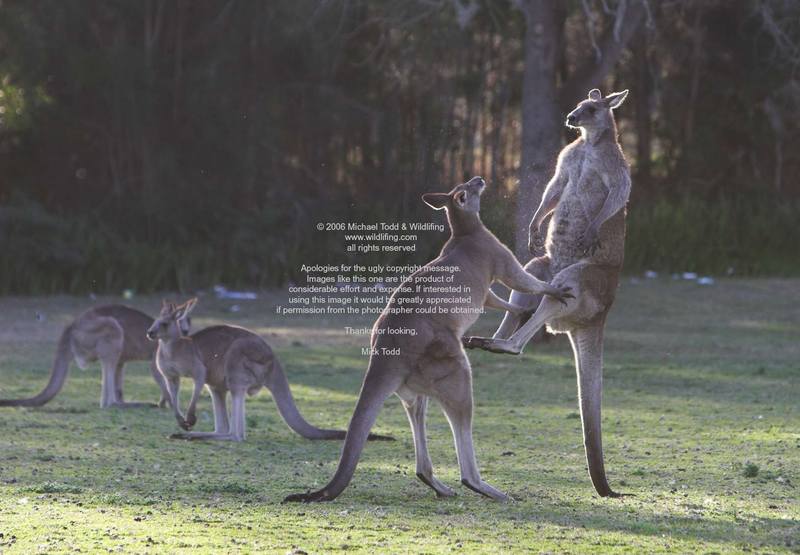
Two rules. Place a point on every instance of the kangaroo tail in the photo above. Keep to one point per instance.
(58, 375)
(279, 387)
(376, 389)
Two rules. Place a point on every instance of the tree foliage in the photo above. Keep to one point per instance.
(165, 144)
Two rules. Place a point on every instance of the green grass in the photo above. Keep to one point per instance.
(701, 422)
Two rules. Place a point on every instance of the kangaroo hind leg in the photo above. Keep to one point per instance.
(416, 408)
(540, 269)
(119, 400)
(549, 309)
(108, 383)
(455, 395)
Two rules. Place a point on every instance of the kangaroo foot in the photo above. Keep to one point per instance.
(502, 346)
(440, 489)
(486, 490)
(311, 497)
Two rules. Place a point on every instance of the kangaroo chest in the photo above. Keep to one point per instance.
(173, 368)
(176, 360)
(581, 200)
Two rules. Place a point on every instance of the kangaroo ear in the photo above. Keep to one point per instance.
(437, 201)
(615, 99)
(191, 304)
(186, 308)
(595, 94)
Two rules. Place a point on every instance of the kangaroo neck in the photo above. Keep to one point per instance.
(173, 347)
(596, 136)
(463, 223)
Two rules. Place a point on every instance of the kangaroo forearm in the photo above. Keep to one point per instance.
(198, 388)
(550, 198)
(173, 390)
(545, 208)
(610, 207)
(493, 301)
(616, 199)
(520, 280)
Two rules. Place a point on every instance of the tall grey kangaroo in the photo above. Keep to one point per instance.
(432, 362)
(225, 359)
(113, 334)
(584, 250)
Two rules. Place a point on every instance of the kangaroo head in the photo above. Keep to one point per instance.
(173, 321)
(464, 198)
(595, 113)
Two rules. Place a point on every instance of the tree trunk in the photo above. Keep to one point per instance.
(541, 114)
(644, 90)
(544, 102)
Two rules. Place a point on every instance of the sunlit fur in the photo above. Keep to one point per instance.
(584, 250)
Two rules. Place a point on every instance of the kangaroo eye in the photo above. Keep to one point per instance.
(591, 110)
(163, 325)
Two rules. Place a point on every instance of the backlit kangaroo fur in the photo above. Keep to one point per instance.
(225, 359)
(584, 251)
(112, 334)
(432, 362)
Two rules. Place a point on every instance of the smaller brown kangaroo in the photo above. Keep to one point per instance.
(225, 359)
(113, 334)
(432, 362)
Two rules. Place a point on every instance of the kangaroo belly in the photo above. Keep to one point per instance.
(566, 227)
(571, 220)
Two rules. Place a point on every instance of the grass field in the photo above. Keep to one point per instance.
(701, 423)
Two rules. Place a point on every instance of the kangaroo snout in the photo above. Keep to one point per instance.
(151, 334)
(571, 119)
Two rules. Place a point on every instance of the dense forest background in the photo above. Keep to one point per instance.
(173, 144)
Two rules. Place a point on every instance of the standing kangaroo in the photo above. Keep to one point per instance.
(431, 361)
(584, 250)
(223, 358)
(112, 334)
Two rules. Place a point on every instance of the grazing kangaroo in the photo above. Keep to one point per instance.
(584, 250)
(432, 361)
(223, 358)
(112, 334)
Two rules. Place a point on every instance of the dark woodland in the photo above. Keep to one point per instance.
(159, 145)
